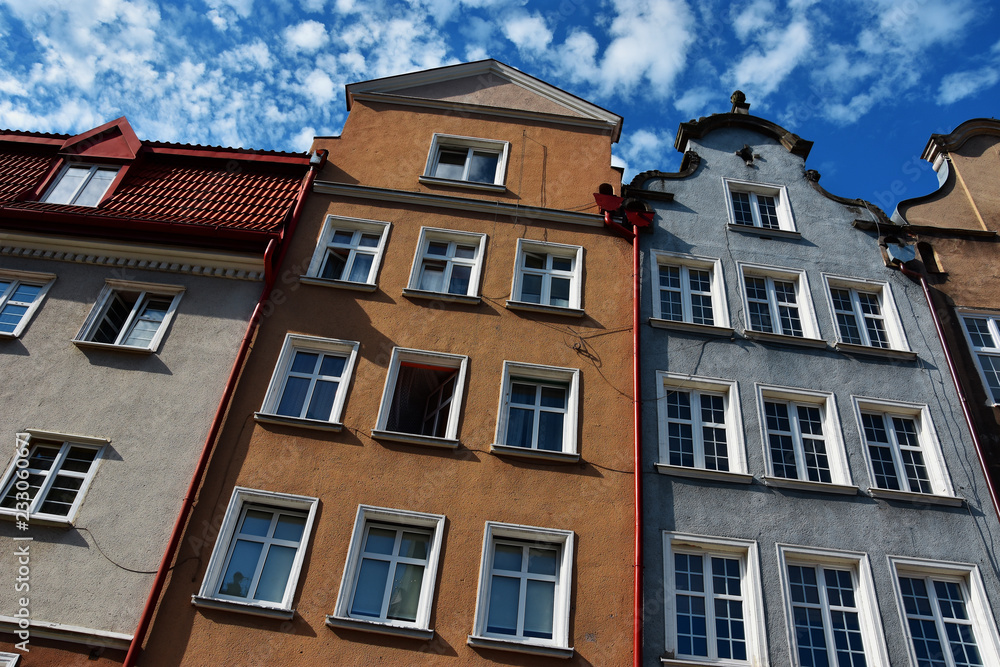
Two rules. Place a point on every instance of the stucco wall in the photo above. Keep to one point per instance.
(695, 222)
(155, 409)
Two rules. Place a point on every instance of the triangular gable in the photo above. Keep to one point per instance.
(487, 83)
(115, 140)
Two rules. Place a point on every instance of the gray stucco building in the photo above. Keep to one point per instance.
(811, 494)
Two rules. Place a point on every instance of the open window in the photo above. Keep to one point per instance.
(131, 315)
(422, 398)
(466, 162)
(349, 253)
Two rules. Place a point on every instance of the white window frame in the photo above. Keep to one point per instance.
(751, 589)
(978, 352)
(736, 453)
(869, 619)
(422, 357)
(268, 501)
(446, 141)
(930, 447)
(299, 343)
(720, 307)
(540, 374)
(895, 336)
(81, 188)
(10, 659)
(977, 602)
(786, 221)
(803, 297)
(25, 443)
(508, 533)
(429, 234)
(400, 519)
(836, 454)
(146, 291)
(17, 278)
(357, 226)
(575, 276)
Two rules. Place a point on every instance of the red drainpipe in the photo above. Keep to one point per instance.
(958, 386)
(175, 536)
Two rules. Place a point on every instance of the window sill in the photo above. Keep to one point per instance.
(544, 308)
(415, 439)
(471, 185)
(765, 233)
(706, 329)
(807, 485)
(36, 520)
(764, 337)
(314, 424)
(241, 607)
(379, 627)
(477, 641)
(7, 334)
(108, 346)
(342, 284)
(704, 473)
(440, 296)
(927, 498)
(851, 348)
(524, 452)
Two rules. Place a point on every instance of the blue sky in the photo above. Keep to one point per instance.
(867, 80)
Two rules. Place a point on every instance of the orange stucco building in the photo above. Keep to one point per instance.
(955, 229)
(428, 457)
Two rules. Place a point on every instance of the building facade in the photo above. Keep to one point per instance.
(811, 494)
(128, 273)
(954, 230)
(428, 457)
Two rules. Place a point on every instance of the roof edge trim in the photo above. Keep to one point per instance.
(696, 129)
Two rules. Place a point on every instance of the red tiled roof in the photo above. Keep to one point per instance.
(20, 170)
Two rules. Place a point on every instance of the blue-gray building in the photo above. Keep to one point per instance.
(811, 494)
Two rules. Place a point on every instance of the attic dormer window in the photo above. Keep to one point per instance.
(466, 162)
(81, 185)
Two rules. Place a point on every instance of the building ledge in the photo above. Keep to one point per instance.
(68, 633)
(921, 498)
(132, 349)
(241, 607)
(519, 647)
(543, 308)
(765, 233)
(13, 515)
(704, 473)
(440, 296)
(415, 439)
(705, 329)
(802, 341)
(868, 350)
(538, 454)
(314, 424)
(807, 485)
(342, 284)
(378, 627)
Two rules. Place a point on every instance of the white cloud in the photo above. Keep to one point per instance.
(248, 57)
(959, 85)
(302, 140)
(696, 101)
(315, 6)
(220, 23)
(242, 8)
(319, 87)
(307, 36)
(753, 18)
(783, 51)
(529, 33)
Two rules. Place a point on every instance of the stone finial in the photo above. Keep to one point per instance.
(739, 101)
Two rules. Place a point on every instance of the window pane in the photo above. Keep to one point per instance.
(431, 277)
(559, 292)
(293, 397)
(531, 288)
(539, 605)
(741, 209)
(362, 268)
(414, 545)
(61, 494)
(242, 566)
(768, 211)
(79, 459)
(67, 185)
(256, 522)
(484, 167)
(274, 577)
(460, 277)
(542, 561)
(321, 404)
(95, 187)
(502, 616)
(289, 528)
(507, 557)
(336, 260)
(534, 260)
(451, 164)
(520, 426)
(370, 589)
(380, 541)
(405, 596)
(114, 320)
(550, 431)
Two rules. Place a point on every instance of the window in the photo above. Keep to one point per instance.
(713, 601)
(256, 561)
(81, 185)
(9, 659)
(388, 583)
(689, 291)
(131, 315)
(447, 265)
(777, 304)
(21, 292)
(760, 206)
(831, 608)
(945, 614)
(547, 275)
(904, 458)
(538, 411)
(524, 590)
(348, 253)
(700, 427)
(802, 441)
(309, 384)
(865, 314)
(50, 475)
(466, 161)
(422, 398)
(983, 334)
